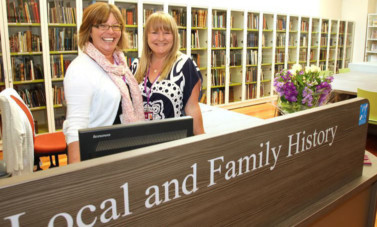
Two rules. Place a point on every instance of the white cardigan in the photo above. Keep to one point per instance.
(18, 146)
(92, 97)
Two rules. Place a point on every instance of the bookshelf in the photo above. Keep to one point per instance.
(26, 58)
(371, 39)
(62, 46)
(129, 12)
(252, 56)
(304, 49)
(281, 46)
(199, 46)
(333, 45)
(324, 44)
(238, 51)
(236, 56)
(293, 41)
(179, 13)
(266, 62)
(315, 39)
(218, 56)
(350, 30)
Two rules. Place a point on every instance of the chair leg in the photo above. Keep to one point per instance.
(51, 162)
(37, 162)
(57, 160)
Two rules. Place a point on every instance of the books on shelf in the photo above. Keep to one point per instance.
(132, 40)
(304, 26)
(179, 16)
(218, 19)
(195, 39)
(182, 38)
(25, 69)
(58, 92)
(60, 14)
(62, 39)
(281, 24)
(252, 21)
(23, 11)
(25, 41)
(218, 58)
(252, 39)
(303, 41)
(129, 15)
(218, 39)
(251, 74)
(279, 56)
(217, 97)
(199, 18)
(280, 40)
(33, 96)
(235, 58)
(233, 39)
(325, 27)
(218, 78)
(252, 57)
(59, 66)
(147, 13)
(251, 91)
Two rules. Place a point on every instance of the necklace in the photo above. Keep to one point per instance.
(155, 70)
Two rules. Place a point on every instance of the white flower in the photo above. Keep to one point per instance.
(296, 67)
(307, 69)
(314, 68)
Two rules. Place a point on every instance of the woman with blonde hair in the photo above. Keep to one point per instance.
(169, 80)
(99, 88)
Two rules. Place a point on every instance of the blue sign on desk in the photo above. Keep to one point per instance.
(363, 113)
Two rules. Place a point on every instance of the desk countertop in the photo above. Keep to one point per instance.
(349, 82)
(216, 119)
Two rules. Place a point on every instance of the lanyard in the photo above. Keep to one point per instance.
(145, 86)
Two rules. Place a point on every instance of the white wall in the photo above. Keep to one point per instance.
(357, 11)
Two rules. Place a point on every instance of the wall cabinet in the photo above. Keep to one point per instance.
(238, 52)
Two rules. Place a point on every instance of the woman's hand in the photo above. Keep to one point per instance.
(73, 152)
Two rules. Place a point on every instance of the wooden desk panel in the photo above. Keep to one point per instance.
(122, 189)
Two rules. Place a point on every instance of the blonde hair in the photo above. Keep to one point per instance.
(155, 22)
(99, 13)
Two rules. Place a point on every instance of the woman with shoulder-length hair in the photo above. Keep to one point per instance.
(100, 89)
(169, 80)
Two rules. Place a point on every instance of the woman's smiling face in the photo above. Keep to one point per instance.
(160, 42)
(106, 40)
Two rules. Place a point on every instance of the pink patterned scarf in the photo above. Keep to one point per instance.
(132, 111)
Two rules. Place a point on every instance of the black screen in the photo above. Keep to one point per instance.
(101, 141)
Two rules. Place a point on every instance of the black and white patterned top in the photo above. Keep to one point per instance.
(168, 97)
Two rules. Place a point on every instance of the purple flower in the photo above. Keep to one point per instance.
(324, 89)
(307, 95)
(290, 92)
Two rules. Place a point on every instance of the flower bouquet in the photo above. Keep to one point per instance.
(300, 89)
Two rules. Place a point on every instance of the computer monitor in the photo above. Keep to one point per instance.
(101, 141)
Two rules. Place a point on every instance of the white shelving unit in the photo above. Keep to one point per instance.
(238, 51)
(371, 39)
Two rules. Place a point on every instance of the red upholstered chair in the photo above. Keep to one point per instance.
(50, 144)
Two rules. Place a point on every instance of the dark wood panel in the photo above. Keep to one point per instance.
(265, 195)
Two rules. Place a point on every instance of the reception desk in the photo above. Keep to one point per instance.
(304, 168)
